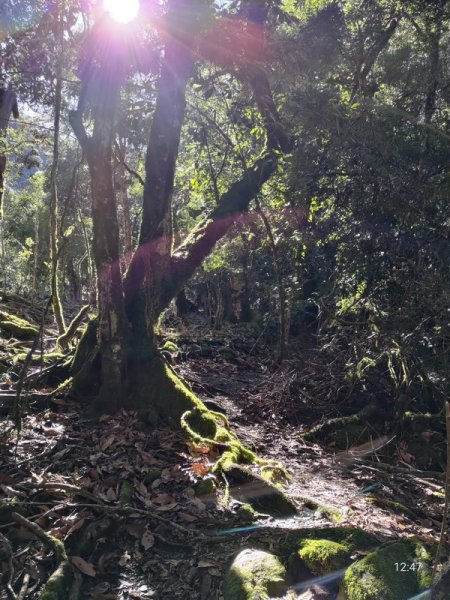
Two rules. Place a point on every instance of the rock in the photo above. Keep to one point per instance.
(254, 575)
(396, 571)
(320, 551)
(441, 591)
(324, 556)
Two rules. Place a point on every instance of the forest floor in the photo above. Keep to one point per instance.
(126, 502)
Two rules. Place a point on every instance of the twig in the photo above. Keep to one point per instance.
(447, 490)
(66, 487)
(24, 589)
(10, 556)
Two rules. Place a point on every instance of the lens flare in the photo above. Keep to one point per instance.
(122, 11)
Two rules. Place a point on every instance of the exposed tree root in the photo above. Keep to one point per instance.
(58, 585)
(64, 340)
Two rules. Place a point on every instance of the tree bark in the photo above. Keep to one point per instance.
(146, 276)
(112, 333)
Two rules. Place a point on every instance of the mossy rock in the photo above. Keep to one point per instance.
(16, 327)
(263, 496)
(351, 538)
(324, 556)
(380, 574)
(254, 575)
(441, 591)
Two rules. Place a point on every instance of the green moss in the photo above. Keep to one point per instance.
(126, 493)
(380, 575)
(253, 489)
(246, 512)
(17, 327)
(205, 487)
(170, 347)
(254, 575)
(345, 431)
(59, 584)
(324, 556)
(351, 538)
(39, 359)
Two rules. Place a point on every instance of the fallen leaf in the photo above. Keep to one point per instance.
(147, 540)
(111, 495)
(107, 442)
(187, 518)
(164, 499)
(124, 558)
(77, 525)
(82, 565)
(200, 469)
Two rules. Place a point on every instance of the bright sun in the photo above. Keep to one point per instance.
(122, 11)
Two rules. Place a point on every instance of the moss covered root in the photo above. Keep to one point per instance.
(254, 575)
(13, 326)
(345, 431)
(59, 584)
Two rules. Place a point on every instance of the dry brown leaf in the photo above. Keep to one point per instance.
(111, 495)
(82, 565)
(187, 518)
(164, 499)
(200, 469)
(141, 489)
(93, 474)
(107, 442)
(136, 530)
(77, 525)
(147, 540)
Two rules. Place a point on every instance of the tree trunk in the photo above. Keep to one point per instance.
(129, 367)
(54, 254)
(102, 86)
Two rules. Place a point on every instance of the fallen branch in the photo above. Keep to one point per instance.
(10, 557)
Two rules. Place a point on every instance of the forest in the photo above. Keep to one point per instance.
(224, 299)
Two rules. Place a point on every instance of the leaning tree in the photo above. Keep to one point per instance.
(117, 362)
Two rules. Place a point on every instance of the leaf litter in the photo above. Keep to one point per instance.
(123, 500)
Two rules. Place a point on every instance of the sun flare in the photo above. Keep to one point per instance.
(122, 11)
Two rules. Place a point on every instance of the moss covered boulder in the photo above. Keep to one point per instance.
(254, 575)
(352, 538)
(396, 571)
(319, 551)
(324, 556)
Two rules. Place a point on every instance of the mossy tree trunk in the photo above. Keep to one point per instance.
(126, 357)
